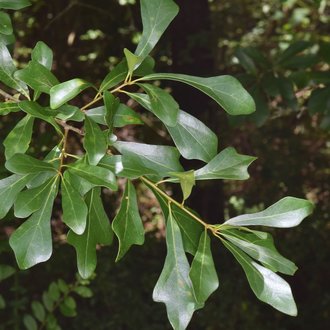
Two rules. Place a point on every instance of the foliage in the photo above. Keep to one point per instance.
(78, 178)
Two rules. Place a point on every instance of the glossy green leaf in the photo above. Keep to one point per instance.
(7, 69)
(31, 200)
(187, 182)
(132, 60)
(8, 107)
(5, 23)
(29, 322)
(82, 186)
(266, 285)
(24, 164)
(74, 207)
(193, 139)
(42, 54)
(38, 310)
(110, 105)
(14, 4)
(156, 17)
(114, 77)
(127, 224)
(150, 159)
(66, 91)
(32, 240)
(98, 230)
(174, 287)
(228, 164)
(70, 112)
(9, 189)
(6, 271)
(162, 104)
(96, 175)
(227, 91)
(287, 212)
(95, 142)
(37, 76)
(203, 273)
(19, 138)
(261, 249)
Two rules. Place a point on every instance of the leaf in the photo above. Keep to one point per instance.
(111, 105)
(95, 142)
(2, 302)
(246, 61)
(9, 189)
(29, 322)
(32, 241)
(31, 200)
(42, 54)
(34, 109)
(80, 185)
(24, 164)
(132, 60)
(6, 271)
(227, 91)
(7, 69)
(228, 164)
(54, 291)
(266, 285)
(37, 76)
(64, 92)
(5, 24)
(70, 112)
(319, 101)
(96, 175)
(261, 249)
(127, 224)
(68, 307)
(74, 207)
(19, 138)
(203, 273)
(8, 107)
(293, 49)
(14, 4)
(288, 212)
(47, 301)
(174, 287)
(98, 230)
(162, 104)
(150, 159)
(38, 310)
(83, 291)
(187, 181)
(193, 139)
(156, 17)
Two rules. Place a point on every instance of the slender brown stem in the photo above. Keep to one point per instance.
(7, 96)
(69, 127)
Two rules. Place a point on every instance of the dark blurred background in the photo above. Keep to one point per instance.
(289, 134)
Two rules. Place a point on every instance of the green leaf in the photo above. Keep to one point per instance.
(95, 142)
(5, 24)
(260, 249)
(38, 310)
(150, 159)
(127, 224)
(70, 112)
(319, 101)
(123, 116)
(7, 69)
(42, 54)
(2, 302)
(29, 322)
(111, 105)
(266, 285)
(6, 271)
(114, 77)
(9, 189)
(74, 207)
(98, 230)
(34, 109)
(54, 291)
(187, 182)
(32, 241)
(228, 164)
(84, 291)
(227, 91)
(14, 4)
(246, 61)
(288, 212)
(31, 200)
(193, 139)
(203, 273)
(96, 175)
(47, 301)
(24, 164)
(132, 60)
(68, 307)
(293, 49)
(37, 76)
(8, 107)
(18, 140)
(80, 185)
(64, 92)
(162, 104)
(174, 287)
(156, 17)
